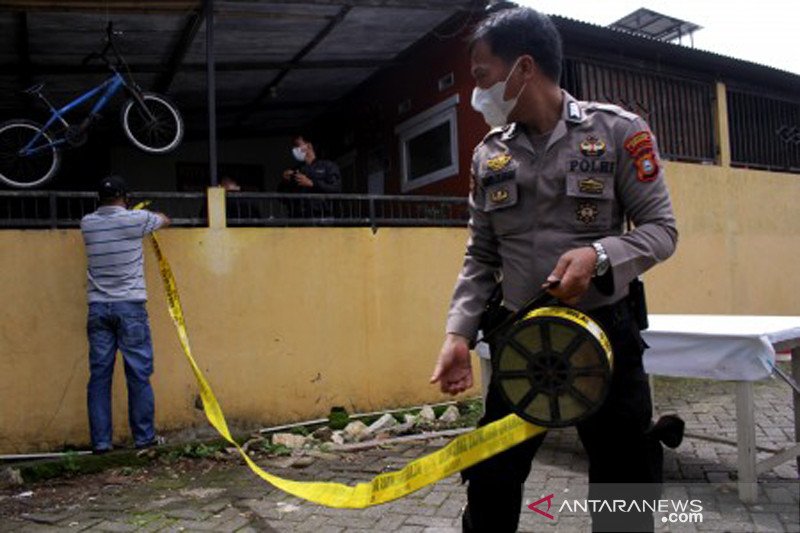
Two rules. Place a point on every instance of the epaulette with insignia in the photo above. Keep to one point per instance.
(611, 108)
(494, 131)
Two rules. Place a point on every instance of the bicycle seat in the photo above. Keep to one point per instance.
(34, 89)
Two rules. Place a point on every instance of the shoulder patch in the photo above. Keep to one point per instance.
(640, 147)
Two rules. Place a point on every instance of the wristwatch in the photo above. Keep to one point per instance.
(601, 267)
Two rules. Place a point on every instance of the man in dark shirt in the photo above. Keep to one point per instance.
(311, 175)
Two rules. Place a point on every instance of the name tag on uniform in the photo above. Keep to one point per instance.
(499, 169)
(495, 178)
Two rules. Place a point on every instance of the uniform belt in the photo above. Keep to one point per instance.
(612, 315)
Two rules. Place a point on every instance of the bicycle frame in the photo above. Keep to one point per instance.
(110, 86)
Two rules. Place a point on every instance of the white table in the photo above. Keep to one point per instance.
(732, 348)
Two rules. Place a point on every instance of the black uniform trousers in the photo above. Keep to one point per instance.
(624, 461)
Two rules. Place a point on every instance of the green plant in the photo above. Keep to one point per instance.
(70, 463)
(275, 449)
(338, 418)
(201, 450)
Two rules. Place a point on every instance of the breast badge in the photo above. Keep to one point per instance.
(591, 186)
(587, 212)
(498, 163)
(592, 147)
(498, 196)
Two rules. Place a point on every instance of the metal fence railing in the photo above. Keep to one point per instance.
(764, 131)
(64, 209)
(273, 209)
(678, 109)
(60, 209)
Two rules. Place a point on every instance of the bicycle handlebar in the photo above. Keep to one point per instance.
(109, 45)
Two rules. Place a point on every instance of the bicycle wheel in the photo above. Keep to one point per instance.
(157, 130)
(26, 171)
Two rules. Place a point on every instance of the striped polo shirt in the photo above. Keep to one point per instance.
(113, 238)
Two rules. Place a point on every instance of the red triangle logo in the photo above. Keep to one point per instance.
(534, 506)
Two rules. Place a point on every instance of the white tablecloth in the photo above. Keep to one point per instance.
(724, 347)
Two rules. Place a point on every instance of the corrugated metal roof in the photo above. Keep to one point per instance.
(682, 55)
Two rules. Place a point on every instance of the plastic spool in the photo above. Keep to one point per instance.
(553, 367)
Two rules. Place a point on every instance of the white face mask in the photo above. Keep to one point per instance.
(489, 102)
(299, 153)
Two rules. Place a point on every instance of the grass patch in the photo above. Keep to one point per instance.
(73, 464)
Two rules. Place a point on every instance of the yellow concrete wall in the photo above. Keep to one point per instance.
(289, 322)
(286, 323)
(739, 241)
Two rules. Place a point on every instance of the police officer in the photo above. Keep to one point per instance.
(552, 185)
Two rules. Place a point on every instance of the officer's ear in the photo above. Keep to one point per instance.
(527, 67)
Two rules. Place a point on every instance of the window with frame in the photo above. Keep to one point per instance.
(429, 145)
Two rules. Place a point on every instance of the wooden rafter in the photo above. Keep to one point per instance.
(232, 66)
(318, 38)
(171, 6)
(23, 49)
(190, 29)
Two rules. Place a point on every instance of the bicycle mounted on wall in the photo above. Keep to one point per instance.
(30, 153)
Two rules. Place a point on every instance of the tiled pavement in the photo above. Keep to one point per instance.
(229, 498)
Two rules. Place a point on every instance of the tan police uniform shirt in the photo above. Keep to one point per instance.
(527, 208)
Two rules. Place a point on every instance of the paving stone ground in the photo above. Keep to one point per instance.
(226, 497)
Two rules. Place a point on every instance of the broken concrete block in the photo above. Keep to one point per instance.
(324, 434)
(290, 440)
(10, 477)
(450, 414)
(355, 430)
(426, 413)
(384, 423)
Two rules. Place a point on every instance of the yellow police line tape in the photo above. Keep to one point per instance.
(462, 452)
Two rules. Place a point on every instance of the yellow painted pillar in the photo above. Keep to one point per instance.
(722, 131)
(217, 218)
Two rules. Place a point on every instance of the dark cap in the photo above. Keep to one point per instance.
(112, 187)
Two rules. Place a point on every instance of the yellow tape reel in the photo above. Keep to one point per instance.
(553, 367)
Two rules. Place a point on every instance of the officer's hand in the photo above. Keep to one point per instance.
(288, 173)
(303, 180)
(453, 370)
(574, 270)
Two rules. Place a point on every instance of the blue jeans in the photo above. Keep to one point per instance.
(123, 326)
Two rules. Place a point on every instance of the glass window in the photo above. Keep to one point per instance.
(429, 145)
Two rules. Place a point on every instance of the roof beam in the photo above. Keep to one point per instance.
(23, 48)
(448, 5)
(181, 6)
(24, 54)
(103, 6)
(269, 106)
(318, 38)
(185, 40)
(235, 66)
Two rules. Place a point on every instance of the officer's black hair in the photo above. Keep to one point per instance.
(518, 31)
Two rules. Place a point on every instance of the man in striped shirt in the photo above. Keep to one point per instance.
(117, 314)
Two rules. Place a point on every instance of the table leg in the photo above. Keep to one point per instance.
(746, 439)
(796, 376)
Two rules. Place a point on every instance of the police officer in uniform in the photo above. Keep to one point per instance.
(552, 186)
